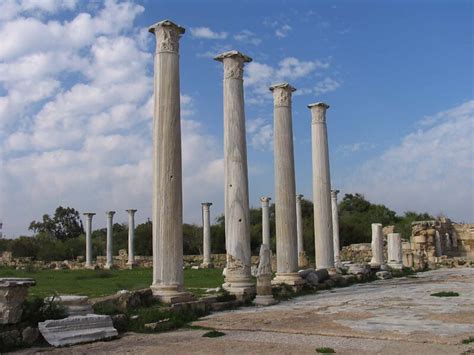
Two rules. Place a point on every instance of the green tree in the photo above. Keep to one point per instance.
(65, 224)
(143, 239)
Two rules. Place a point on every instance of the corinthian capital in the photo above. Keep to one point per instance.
(167, 35)
(233, 64)
(282, 94)
(318, 112)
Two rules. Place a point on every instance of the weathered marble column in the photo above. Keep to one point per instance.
(238, 279)
(302, 259)
(131, 238)
(394, 250)
(439, 249)
(285, 187)
(206, 236)
(335, 227)
(167, 171)
(110, 256)
(89, 216)
(266, 220)
(321, 188)
(377, 245)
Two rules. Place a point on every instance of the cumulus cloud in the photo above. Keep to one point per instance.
(326, 85)
(207, 33)
(260, 132)
(77, 114)
(347, 149)
(431, 169)
(246, 36)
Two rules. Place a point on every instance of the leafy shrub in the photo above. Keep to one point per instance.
(445, 294)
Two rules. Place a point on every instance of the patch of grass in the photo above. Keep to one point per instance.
(98, 283)
(468, 340)
(406, 271)
(213, 334)
(325, 350)
(445, 294)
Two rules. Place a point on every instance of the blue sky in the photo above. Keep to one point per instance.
(76, 94)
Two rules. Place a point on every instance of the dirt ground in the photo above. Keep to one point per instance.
(395, 316)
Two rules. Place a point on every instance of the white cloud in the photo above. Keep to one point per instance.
(326, 85)
(283, 31)
(432, 169)
(347, 149)
(246, 36)
(207, 33)
(260, 133)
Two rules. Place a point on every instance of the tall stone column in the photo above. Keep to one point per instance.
(167, 174)
(266, 220)
(110, 256)
(377, 245)
(238, 279)
(335, 227)
(439, 250)
(89, 216)
(302, 259)
(206, 236)
(321, 187)
(394, 251)
(285, 188)
(131, 238)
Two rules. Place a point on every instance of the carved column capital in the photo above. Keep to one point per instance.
(206, 205)
(282, 94)
(167, 35)
(299, 197)
(318, 112)
(334, 194)
(233, 64)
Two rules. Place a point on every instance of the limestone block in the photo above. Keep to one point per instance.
(383, 275)
(359, 269)
(13, 292)
(77, 329)
(73, 305)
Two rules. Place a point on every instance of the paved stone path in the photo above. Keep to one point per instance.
(395, 316)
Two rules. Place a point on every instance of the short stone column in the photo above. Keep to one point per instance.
(110, 256)
(394, 251)
(266, 220)
(167, 206)
(264, 276)
(439, 249)
(206, 236)
(89, 216)
(454, 239)
(335, 227)
(302, 259)
(377, 246)
(285, 187)
(321, 187)
(13, 292)
(238, 278)
(131, 238)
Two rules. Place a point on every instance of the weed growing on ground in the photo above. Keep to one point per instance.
(445, 294)
(325, 350)
(213, 334)
(468, 340)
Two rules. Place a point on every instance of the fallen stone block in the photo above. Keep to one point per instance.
(77, 329)
(383, 275)
(13, 292)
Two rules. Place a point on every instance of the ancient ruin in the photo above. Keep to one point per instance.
(206, 235)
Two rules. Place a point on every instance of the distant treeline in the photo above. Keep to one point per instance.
(61, 236)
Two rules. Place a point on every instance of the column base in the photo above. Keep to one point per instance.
(241, 290)
(90, 267)
(171, 294)
(108, 266)
(292, 279)
(395, 266)
(206, 266)
(266, 300)
(132, 265)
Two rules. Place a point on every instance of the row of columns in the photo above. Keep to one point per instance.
(109, 253)
(394, 248)
(167, 178)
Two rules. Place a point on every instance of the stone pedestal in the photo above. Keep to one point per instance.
(89, 216)
(131, 238)
(73, 305)
(13, 292)
(206, 236)
(335, 227)
(167, 206)
(321, 187)
(394, 249)
(302, 259)
(285, 190)
(238, 278)
(110, 256)
(377, 246)
(264, 276)
(266, 220)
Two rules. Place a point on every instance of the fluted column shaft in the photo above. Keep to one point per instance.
(237, 225)
(299, 232)
(285, 188)
(394, 250)
(266, 220)
(89, 216)
(110, 223)
(206, 234)
(335, 227)
(167, 171)
(131, 237)
(321, 188)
